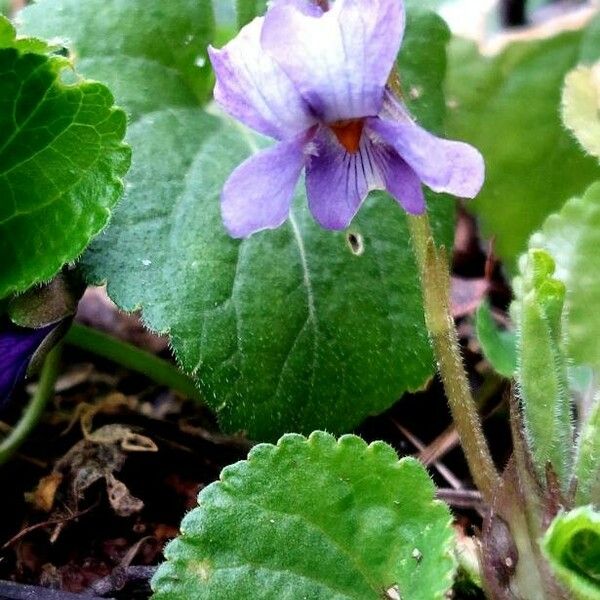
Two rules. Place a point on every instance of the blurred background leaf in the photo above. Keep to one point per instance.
(508, 106)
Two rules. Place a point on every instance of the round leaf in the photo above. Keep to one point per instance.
(315, 519)
(61, 162)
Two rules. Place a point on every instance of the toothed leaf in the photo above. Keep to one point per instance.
(313, 518)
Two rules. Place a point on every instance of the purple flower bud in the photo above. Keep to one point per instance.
(17, 347)
(315, 81)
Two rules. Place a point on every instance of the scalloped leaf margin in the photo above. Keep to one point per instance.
(315, 518)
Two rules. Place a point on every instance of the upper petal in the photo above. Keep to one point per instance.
(442, 165)
(337, 181)
(340, 61)
(259, 192)
(254, 89)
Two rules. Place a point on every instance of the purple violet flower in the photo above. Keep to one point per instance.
(17, 347)
(315, 80)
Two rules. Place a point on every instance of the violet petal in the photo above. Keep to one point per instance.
(17, 347)
(337, 181)
(258, 194)
(252, 87)
(340, 61)
(402, 183)
(443, 165)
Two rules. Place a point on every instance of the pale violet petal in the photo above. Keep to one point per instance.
(337, 181)
(401, 182)
(340, 61)
(443, 165)
(254, 89)
(259, 192)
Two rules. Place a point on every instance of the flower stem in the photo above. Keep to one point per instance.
(435, 281)
(132, 357)
(35, 408)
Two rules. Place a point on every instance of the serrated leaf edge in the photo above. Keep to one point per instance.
(289, 441)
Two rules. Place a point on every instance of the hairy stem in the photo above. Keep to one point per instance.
(132, 357)
(435, 278)
(35, 408)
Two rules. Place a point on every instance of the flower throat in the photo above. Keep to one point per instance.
(348, 133)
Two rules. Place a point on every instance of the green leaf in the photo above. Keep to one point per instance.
(572, 546)
(291, 330)
(508, 106)
(315, 519)
(248, 9)
(499, 346)
(61, 162)
(288, 330)
(153, 55)
(542, 368)
(580, 103)
(587, 465)
(572, 236)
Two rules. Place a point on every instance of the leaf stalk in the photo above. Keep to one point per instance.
(35, 408)
(131, 357)
(435, 282)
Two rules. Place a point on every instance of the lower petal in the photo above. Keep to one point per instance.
(443, 165)
(403, 183)
(258, 194)
(338, 181)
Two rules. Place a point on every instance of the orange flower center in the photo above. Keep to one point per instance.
(348, 133)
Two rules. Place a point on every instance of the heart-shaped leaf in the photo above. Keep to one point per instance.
(287, 330)
(317, 518)
(61, 162)
(294, 329)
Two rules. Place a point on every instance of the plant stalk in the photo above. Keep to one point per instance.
(36, 406)
(131, 357)
(435, 281)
